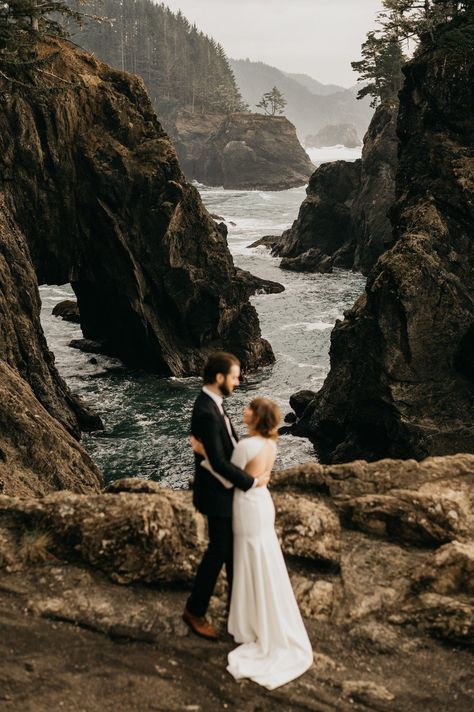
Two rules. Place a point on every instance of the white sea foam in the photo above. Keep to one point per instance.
(308, 326)
(333, 153)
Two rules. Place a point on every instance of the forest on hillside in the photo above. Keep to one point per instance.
(182, 67)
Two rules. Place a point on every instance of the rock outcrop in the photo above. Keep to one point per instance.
(380, 556)
(94, 183)
(241, 151)
(37, 454)
(401, 382)
(40, 420)
(334, 135)
(344, 220)
(322, 235)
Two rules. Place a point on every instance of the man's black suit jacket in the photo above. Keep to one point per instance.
(210, 497)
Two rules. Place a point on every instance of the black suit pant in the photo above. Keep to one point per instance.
(218, 553)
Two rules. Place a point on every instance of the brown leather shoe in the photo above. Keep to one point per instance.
(200, 626)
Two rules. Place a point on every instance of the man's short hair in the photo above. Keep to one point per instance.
(218, 362)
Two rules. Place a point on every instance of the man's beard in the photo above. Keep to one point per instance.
(224, 389)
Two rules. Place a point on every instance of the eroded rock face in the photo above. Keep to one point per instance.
(40, 420)
(319, 237)
(94, 183)
(242, 151)
(366, 581)
(405, 553)
(37, 454)
(334, 135)
(152, 537)
(411, 394)
(344, 220)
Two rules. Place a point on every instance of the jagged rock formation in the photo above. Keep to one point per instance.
(241, 151)
(334, 135)
(380, 555)
(37, 454)
(39, 418)
(402, 379)
(67, 310)
(323, 230)
(94, 183)
(344, 220)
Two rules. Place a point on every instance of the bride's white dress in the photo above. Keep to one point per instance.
(264, 616)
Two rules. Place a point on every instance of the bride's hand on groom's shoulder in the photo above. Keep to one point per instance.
(197, 446)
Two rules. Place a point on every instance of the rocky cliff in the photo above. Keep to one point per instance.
(334, 135)
(344, 220)
(40, 419)
(402, 377)
(381, 560)
(91, 193)
(241, 151)
(94, 184)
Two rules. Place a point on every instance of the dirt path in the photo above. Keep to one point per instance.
(50, 664)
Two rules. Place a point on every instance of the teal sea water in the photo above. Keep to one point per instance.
(147, 418)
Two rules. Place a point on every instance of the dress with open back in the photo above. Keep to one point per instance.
(264, 616)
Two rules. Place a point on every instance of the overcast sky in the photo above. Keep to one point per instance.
(317, 37)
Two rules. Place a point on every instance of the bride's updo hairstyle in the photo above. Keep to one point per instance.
(267, 417)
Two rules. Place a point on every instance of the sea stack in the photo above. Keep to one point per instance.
(401, 382)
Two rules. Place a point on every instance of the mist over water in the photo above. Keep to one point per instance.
(146, 417)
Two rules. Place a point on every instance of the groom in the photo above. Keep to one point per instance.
(211, 425)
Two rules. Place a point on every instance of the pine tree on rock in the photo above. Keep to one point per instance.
(383, 51)
(272, 102)
(23, 22)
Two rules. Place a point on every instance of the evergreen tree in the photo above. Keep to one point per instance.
(382, 53)
(23, 22)
(380, 68)
(182, 67)
(272, 102)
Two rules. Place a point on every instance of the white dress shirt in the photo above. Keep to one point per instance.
(218, 400)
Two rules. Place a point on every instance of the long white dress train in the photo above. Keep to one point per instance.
(264, 616)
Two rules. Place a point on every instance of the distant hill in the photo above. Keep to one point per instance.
(314, 86)
(307, 110)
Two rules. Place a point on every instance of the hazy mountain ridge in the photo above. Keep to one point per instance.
(314, 86)
(308, 111)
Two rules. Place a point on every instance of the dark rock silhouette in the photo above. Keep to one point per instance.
(320, 235)
(68, 311)
(345, 215)
(241, 151)
(91, 193)
(401, 380)
(99, 194)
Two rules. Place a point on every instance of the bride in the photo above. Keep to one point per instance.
(264, 616)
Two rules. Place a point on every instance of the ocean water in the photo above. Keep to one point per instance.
(146, 417)
(333, 153)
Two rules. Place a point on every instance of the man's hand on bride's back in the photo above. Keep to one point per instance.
(264, 479)
(197, 446)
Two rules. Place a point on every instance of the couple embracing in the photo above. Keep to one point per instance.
(230, 489)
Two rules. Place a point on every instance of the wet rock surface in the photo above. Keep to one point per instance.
(241, 151)
(68, 311)
(344, 220)
(153, 276)
(412, 393)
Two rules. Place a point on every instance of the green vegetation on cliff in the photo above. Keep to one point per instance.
(402, 21)
(182, 67)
